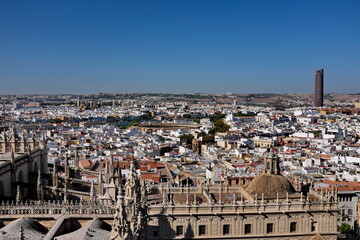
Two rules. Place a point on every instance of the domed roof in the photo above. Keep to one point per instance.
(270, 185)
(94, 229)
(31, 229)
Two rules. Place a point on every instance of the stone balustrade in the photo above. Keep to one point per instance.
(83, 209)
(54, 209)
(242, 207)
(199, 189)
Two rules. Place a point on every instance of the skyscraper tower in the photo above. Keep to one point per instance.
(319, 88)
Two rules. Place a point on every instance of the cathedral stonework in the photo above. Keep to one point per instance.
(131, 210)
(268, 207)
(19, 143)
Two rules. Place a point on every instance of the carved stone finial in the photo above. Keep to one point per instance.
(12, 155)
(21, 233)
(29, 150)
(131, 210)
(39, 187)
(112, 165)
(66, 193)
(92, 192)
(66, 166)
(106, 172)
(18, 194)
(132, 185)
(101, 187)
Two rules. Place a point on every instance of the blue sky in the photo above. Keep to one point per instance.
(272, 46)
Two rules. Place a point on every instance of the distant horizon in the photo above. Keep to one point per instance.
(248, 46)
(178, 93)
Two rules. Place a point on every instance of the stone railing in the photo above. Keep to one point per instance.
(243, 207)
(53, 209)
(83, 209)
(199, 189)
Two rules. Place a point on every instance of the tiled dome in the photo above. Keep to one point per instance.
(270, 185)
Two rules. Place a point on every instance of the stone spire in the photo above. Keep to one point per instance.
(13, 138)
(29, 150)
(21, 233)
(131, 212)
(18, 194)
(92, 193)
(66, 198)
(76, 160)
(55, 175)
(118, 174)
(101, 186)
(55, 181)
(39, 187)
(112, 172)
(67, 176)
(120, 228)
(132, 185)
(32, 140)
(12, 155)
(66, 166)
(43, 141)
(106, 172)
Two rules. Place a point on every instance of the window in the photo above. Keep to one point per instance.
(202, 229)
(247, 229)
(293, 227)
(226, 229)
(155, 232)
(179, 230)
(313, 226)
(350, 211)
(269, 228)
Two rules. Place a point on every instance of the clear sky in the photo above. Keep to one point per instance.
(253, 46)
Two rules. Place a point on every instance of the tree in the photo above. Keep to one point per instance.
(219, 126)
(132, 123)
(317, 133)
(187, 138)
(217, 116)
(186, 115)
(345, 228)
(161, 139)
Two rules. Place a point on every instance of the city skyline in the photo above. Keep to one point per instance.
(191, 119)
(88, 47)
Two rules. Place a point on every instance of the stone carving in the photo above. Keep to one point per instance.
(120, 227)
(131, 210)
(18, 194)
(39, 187)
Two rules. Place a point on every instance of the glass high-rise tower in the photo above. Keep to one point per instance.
(319, 88)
